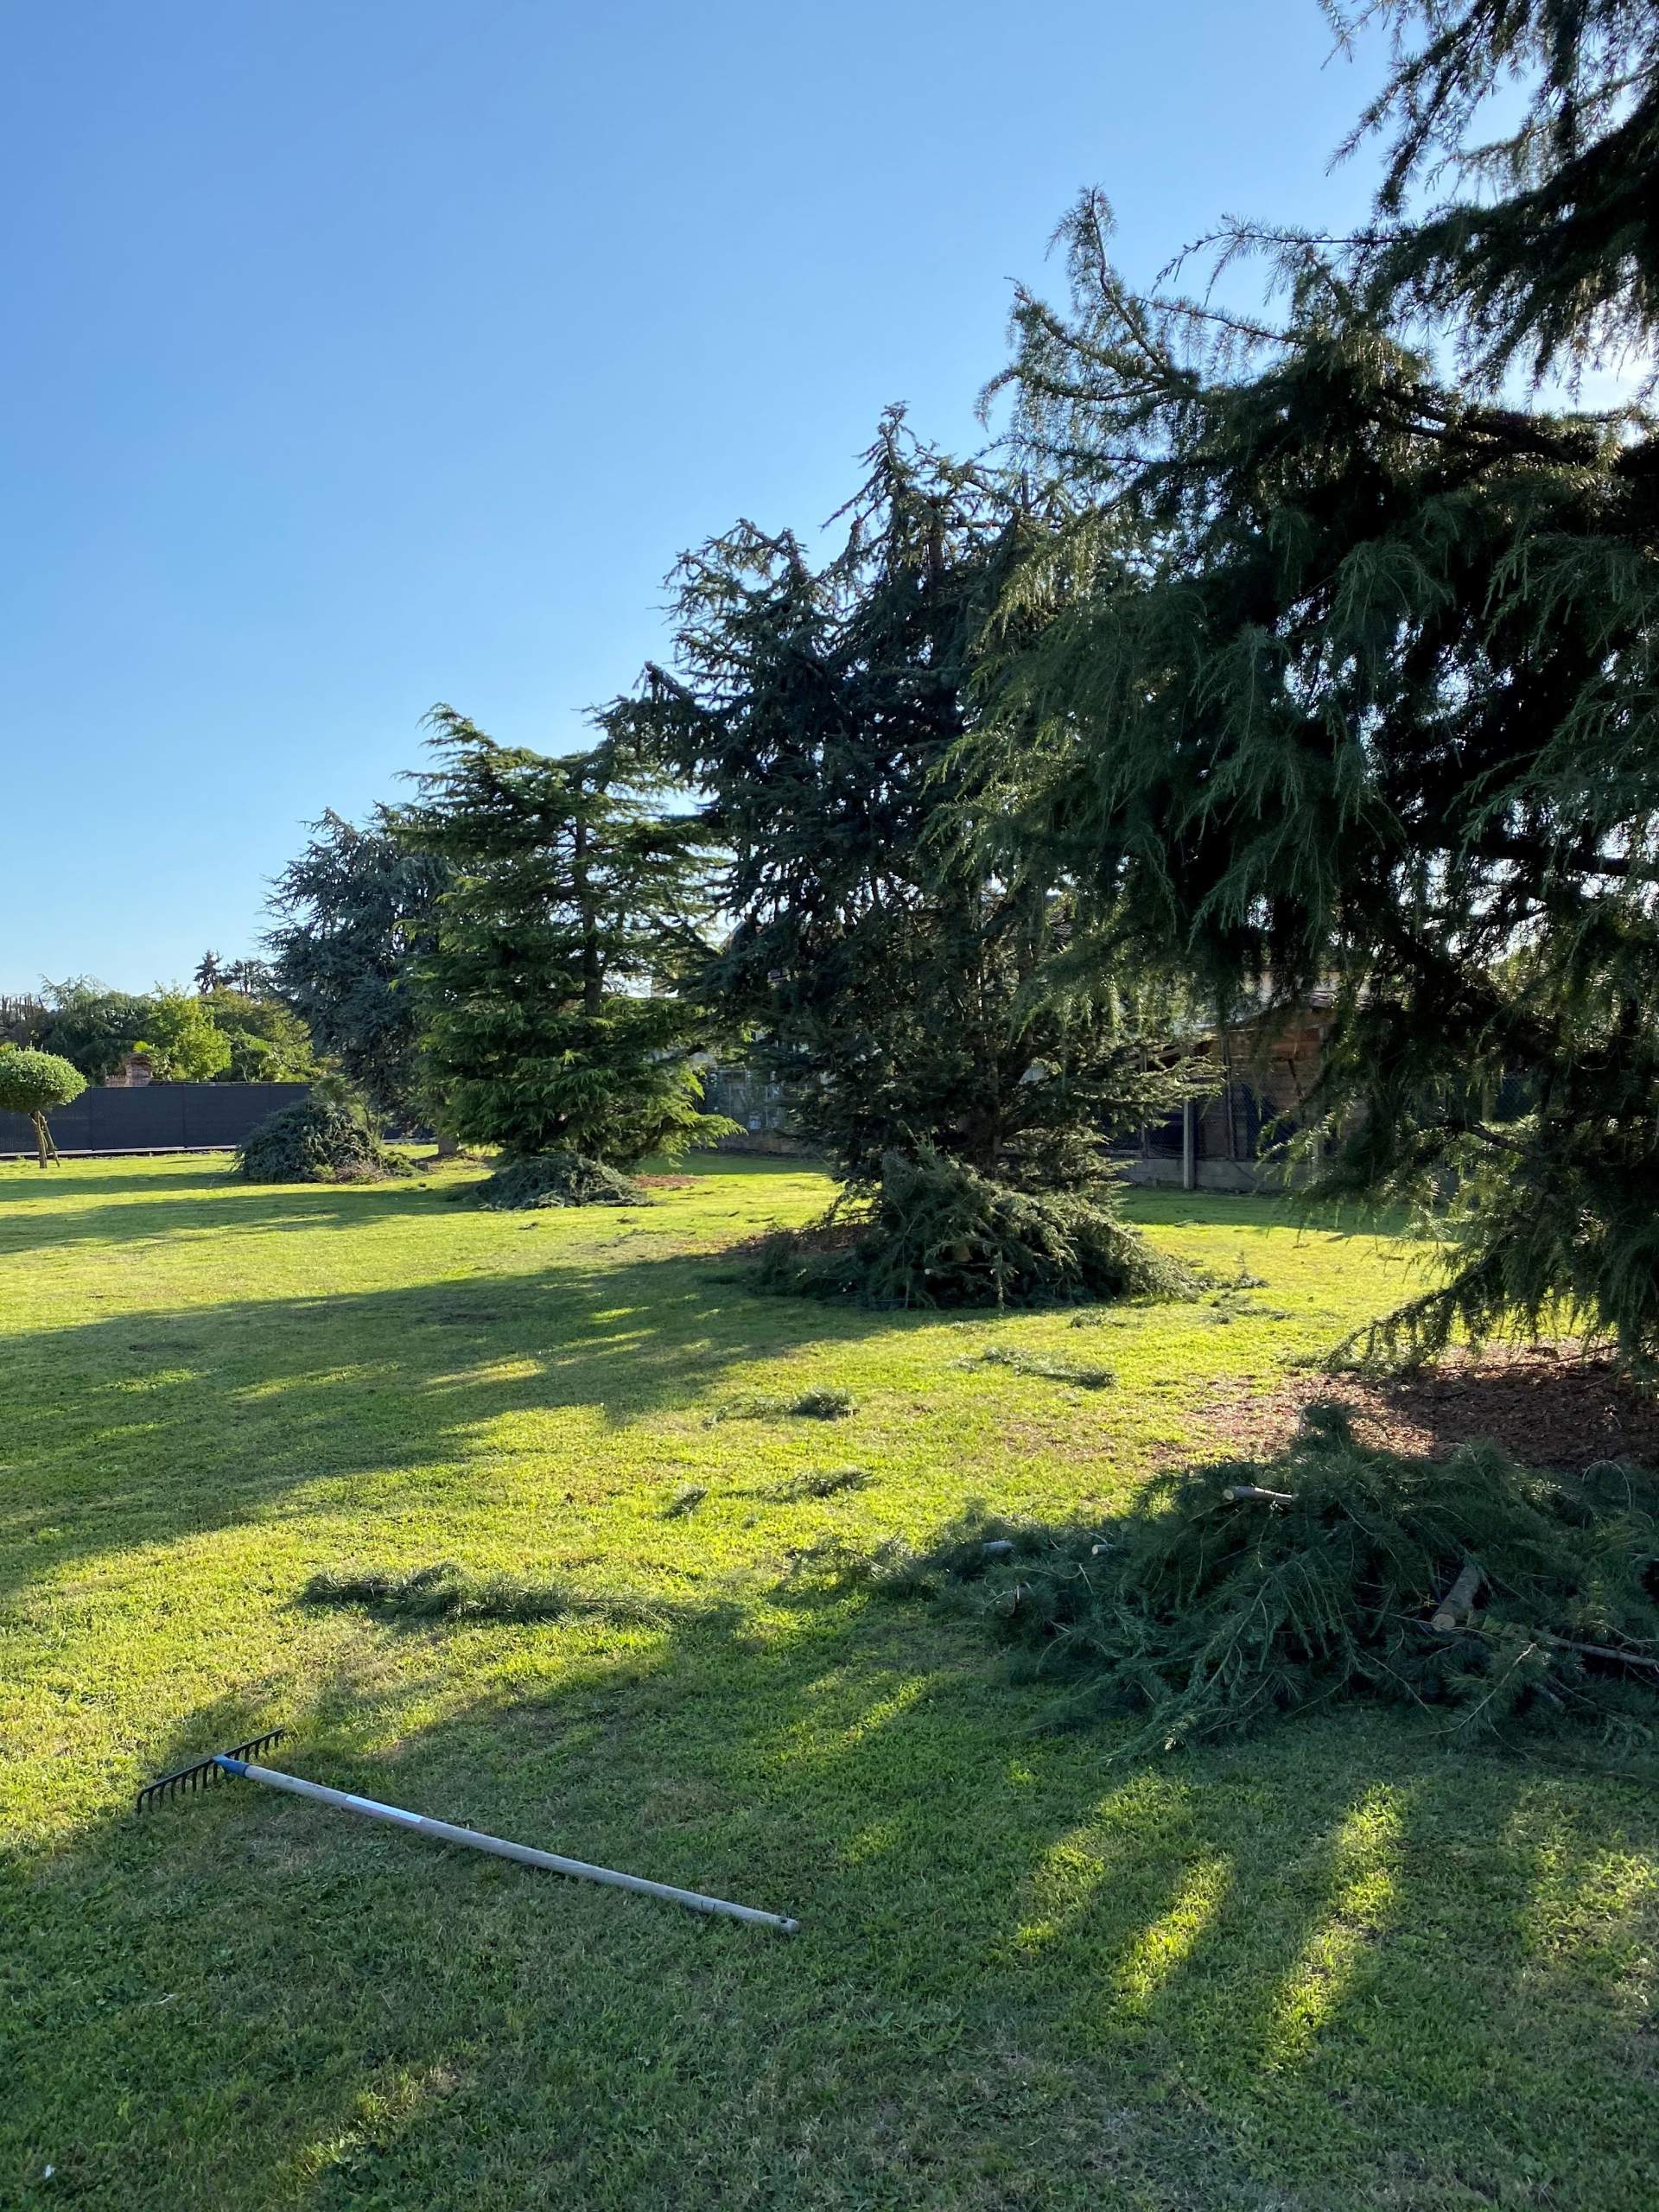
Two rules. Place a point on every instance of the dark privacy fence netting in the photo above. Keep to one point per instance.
(157, 1117)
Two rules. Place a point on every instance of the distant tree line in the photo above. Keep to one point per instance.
(240, 1033)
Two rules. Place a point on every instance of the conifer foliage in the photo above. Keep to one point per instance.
(353, 920)
(1236, 1595)
(897, 986)
(1344, 674)
(573, 904)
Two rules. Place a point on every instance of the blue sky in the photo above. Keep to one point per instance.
(363, 353)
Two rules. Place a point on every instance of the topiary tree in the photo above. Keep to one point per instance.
(33, 1083)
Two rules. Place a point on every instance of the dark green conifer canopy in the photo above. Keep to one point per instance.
(905, 992)
(1344, 673)
(574, 905)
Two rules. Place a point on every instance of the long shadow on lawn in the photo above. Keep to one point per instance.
(138, 1429)
(1336, 1970)
(194, 1202)
(202, 1200)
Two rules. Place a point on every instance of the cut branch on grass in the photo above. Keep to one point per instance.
(827, 1482)
(1203, 1620)
(446, 1592)
(1050, 1370)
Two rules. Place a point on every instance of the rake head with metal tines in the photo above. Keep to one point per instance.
(204, 1771)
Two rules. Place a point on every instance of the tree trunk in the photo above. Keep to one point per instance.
(43, 1135)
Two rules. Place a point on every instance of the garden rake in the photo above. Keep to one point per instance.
(240, 1762)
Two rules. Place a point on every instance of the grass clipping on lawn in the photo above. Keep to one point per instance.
(938, 1233)
(1206, 1616)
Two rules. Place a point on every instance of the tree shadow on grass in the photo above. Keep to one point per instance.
(139, 1429)
(206, 1198)
(1333, 1969)
(196, 1202)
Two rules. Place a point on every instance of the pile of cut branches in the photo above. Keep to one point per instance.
(552, 1178)
(325, 1138)
(1237, 1593)
(936, 1233)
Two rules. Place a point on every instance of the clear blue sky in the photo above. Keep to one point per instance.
(362, 353)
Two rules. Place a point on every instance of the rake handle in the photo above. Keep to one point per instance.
(525, 1855)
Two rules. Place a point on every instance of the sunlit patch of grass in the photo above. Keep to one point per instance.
(1362, 1898)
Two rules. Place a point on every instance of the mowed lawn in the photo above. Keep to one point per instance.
(1338, 1967)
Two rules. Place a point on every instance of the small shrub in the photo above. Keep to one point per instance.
(325, 1138)
(552, 1178)
(1204, 1617)
(937, 1234)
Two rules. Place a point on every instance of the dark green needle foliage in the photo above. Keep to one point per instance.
(1343, 674)
(906, 994)
(355, 916)
(328, 1136)
(1199, 1616)
(934, 1232)
(553, 1019)
(1544, 252)
(553, 1178)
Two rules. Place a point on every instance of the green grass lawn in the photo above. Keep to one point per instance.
(1338, 1967)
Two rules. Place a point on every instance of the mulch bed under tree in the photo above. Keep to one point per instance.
(1545, 1406)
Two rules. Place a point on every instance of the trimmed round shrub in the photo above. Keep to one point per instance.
(552, 1179)
(32, 1084)
(320, 1140)
(936, 1233)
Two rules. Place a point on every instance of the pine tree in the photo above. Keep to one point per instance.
(889, 979)
(1352, 678)
(355, 915)
(1548, 257)
(552, 1018)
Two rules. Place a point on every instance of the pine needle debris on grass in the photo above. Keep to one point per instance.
(550, 1178)
(320, 1139)
(446, 1592)
(1204, 1615)
(825, 1482)
(1051, 1370)
(821, 1404)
